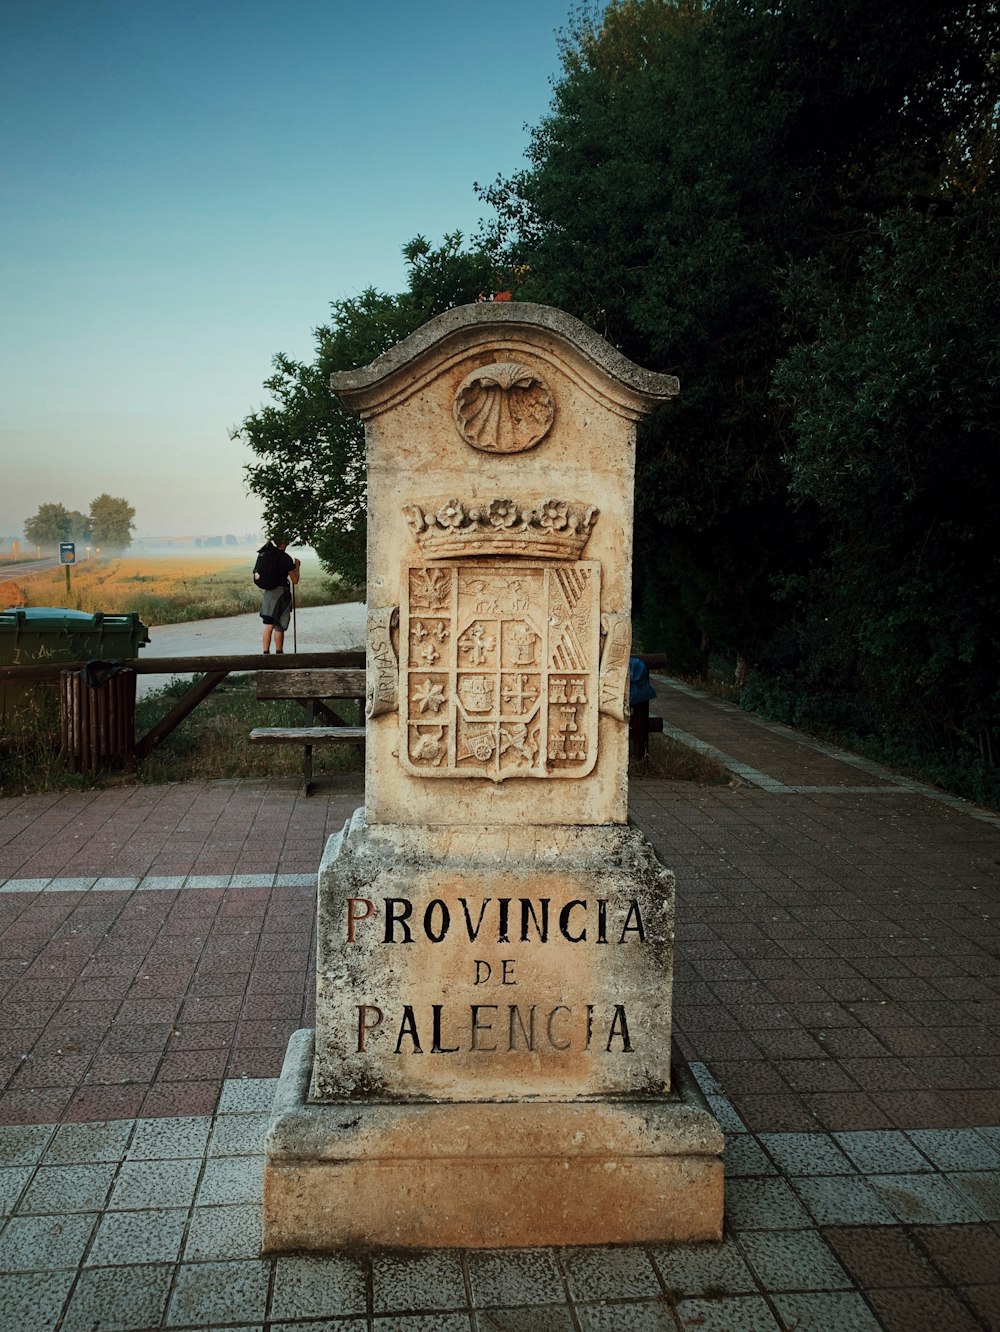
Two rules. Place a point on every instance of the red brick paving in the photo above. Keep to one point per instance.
(836, 962)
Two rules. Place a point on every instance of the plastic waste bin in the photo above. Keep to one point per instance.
(30, 636)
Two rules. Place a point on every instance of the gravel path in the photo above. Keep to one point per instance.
(318, 629)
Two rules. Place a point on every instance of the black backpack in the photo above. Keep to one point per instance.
(269, 571)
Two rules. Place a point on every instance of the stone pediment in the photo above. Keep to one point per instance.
(540, 331)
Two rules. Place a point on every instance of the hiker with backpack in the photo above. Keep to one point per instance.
(274, 573)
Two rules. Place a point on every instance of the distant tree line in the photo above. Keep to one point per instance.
(108, 524)
(792, 205)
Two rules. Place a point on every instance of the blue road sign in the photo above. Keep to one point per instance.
(67, 552)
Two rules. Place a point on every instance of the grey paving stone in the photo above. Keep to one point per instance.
(251, 881)
(97, 1141)
(701, 1269)
(725, 1113)
(839, 1201)
(739, 1314)
(807, 1153)
(337, 1324)
(117, 1299)
(705, 1080)
(991, 1134)
(115, 885)
(242, 1096)
(983, 1188)
(793, 1260)
(43, 1243)
(839, 1311)
(138, 1237)
(74, 1188)
(745, 1156)
(609, 1274)
(418, 1281)
(222, 1233)
(506, 1278)
(956, 1149)
(147, 1184)
(33, 1300)
(318, 1287)
(161, 882)
(232, 1179)
(537, 1318)
(12, 1184)
(23, 1144)
(210, 1293)
(170, 1138)
(882, 1151)
(439, 1322)
(763, 1204)
(924, 1199)
(639, 1316)
(239, 1135)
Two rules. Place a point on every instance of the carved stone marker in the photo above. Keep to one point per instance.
(491, 1063)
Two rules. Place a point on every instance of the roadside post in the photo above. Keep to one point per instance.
(67, 556)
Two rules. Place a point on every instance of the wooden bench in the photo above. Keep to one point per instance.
(312, 689)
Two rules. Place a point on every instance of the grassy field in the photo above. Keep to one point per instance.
(166, 589)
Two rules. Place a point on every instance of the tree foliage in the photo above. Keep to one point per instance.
(111, 522)
(789, 204)
(896, 403)
(309, 468)
(694, 151)
(54, 523)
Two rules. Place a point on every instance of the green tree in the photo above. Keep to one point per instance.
(309, 468)
(894, 409)
(696, 152)
(111, 522)
(79, 525)
(50, 525)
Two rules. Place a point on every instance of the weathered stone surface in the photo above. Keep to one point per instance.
(492, 1058)
(500, 444)
(472, 964)
(489, 1175)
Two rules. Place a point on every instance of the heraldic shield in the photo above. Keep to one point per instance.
(501, 669)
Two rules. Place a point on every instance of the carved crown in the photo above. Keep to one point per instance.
(553, 529)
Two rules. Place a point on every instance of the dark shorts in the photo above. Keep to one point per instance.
(276, 606)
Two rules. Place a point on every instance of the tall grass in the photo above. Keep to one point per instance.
(168, 589)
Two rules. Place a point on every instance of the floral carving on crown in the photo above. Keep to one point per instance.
(503, 408)
(553, 529)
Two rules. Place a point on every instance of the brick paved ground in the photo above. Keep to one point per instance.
(837, 993)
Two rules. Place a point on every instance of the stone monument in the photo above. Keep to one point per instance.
(491, 1063)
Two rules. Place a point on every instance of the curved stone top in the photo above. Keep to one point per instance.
(404, 368)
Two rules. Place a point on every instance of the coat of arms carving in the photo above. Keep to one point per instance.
(499, 667)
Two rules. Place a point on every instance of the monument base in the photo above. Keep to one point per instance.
(488, 1175)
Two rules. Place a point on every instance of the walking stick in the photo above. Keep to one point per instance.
(295, 637)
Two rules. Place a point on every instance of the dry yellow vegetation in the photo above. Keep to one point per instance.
(164, 589)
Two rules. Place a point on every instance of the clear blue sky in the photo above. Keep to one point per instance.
(186, 186)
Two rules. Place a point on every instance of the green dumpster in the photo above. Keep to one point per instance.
(39, 634)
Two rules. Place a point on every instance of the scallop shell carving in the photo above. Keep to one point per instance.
(503, 408)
